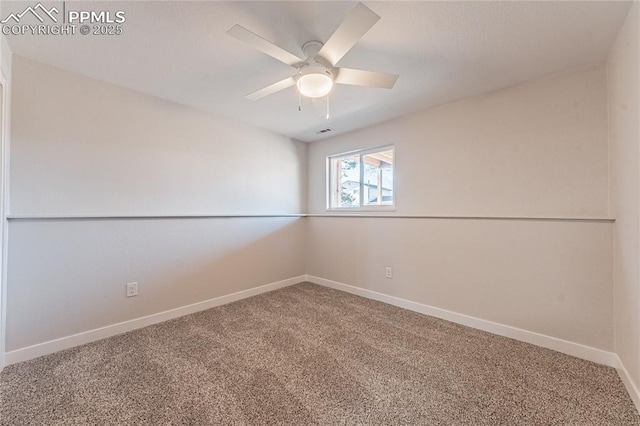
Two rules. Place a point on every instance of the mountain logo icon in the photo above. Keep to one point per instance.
(39, 11)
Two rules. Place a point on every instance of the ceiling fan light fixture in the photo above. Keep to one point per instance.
(315, 83)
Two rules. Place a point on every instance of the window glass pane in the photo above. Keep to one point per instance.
(378, 178)
(361, 179)
(345, 181)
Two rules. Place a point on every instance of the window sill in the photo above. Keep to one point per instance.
(372, 209)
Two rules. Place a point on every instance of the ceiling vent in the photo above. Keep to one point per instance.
(323, 131)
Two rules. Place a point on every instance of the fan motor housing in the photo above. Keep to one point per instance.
(315, 69)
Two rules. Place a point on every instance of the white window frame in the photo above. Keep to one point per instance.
(362, 207)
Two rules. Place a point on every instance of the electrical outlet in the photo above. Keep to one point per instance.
(388, 272)
(132, 289)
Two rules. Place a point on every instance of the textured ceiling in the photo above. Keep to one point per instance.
(443, 51)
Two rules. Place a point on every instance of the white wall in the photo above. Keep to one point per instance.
(87, 148)
(537, 149)
(67, 277)
(553, 278)
(624, 115)
(81, 147)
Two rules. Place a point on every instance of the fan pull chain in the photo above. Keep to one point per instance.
(327, 107)
(299, 94)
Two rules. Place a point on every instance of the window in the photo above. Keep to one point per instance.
(361, 179)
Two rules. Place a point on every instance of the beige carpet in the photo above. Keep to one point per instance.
(309, 355)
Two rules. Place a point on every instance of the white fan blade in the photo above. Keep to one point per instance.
(272, 88)
(365, 78)
(263, 45)
(348, 33)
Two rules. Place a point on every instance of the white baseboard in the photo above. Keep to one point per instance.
(570, 348)
(634, 392)
(40, 349)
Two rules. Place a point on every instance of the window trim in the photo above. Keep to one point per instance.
(362, 207)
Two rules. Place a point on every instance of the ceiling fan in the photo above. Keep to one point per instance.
(317, 72)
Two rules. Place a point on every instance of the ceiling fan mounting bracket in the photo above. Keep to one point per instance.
(311, 48)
